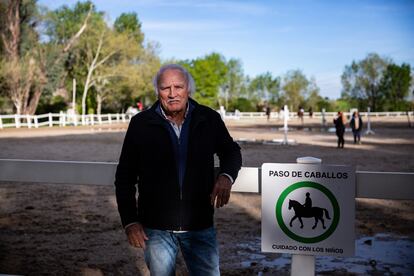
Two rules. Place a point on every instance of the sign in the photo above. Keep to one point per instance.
(308, 209)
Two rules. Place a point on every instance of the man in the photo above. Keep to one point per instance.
(170, 150)
(356, 126)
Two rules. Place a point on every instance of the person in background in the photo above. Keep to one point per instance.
(169, 152)
(356, 126)
(268, 110)
(340, 122)
(301, 113)
(140, 106)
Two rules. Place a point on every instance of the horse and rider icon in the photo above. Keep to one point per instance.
(307, 211)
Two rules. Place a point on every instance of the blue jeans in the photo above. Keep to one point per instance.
(199, 249)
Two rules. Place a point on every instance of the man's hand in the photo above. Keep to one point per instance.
(136, 235)
(221, 191)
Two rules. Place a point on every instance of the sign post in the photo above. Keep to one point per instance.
(308, 209)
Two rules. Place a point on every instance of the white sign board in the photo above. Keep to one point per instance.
(308, 209)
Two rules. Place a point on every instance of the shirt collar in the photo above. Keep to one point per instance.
(161, 111)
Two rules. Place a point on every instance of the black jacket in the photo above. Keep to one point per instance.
(148, 155)
(352, 123)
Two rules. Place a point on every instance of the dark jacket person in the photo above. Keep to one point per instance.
(169, 151)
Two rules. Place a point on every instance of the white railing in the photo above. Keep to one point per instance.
(381, 185)
(62, 119)
(279, 115)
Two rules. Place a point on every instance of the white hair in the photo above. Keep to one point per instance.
(190, 81)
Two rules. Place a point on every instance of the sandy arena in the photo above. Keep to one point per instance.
(57, 229)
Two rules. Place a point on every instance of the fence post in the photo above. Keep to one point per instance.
(83, 120)
(17, 120)
(285, 125)
(123, 118)
(29, 121)
(75, 119)
(100, 119)
(304, 265)
(369, 131)
(323, 118)
(1, 123)
(117, 117)
(62, 119)
(92, 119)
(36, 121)
(110, 119)
(50, 120)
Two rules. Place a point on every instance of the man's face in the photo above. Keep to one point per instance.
(173, 91)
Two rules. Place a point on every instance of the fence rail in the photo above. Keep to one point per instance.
(380, 185)
(63, 119)
(275, 115)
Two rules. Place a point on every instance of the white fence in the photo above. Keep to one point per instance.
(62, 119)
(279, 115)
(382, 185)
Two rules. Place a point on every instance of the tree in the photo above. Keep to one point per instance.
(128, 23)
(111, 49)
(121, 69)
(234, 78)
(65, 27)
(265, 87)
(295, 87)
(28, 64)
(209, 73)
(395, 85)
(361, 81)
(313, 99)
(19, 68)
(110, 65)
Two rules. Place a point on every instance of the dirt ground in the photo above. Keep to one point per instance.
(60, 229)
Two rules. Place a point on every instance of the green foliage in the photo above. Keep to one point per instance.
(361, 81)
(234, 78)
(209, 73)
(265, 87)
(5, 105)
(125, 67)
(66, 21)
(243, 105)
(341, 105)
(395, 85)
(54, 105)
(296, 87)
(129, 23)
(29, 18)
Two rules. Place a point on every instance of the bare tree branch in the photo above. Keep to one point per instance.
(74, 38)
(78, 34)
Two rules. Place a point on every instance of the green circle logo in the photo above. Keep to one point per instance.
(324, 190)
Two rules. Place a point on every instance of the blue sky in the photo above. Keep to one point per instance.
(317, 37)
